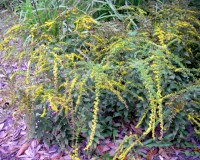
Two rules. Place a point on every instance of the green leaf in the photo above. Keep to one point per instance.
(187, 153)
(147, 141)
(132, 33)
(167, 137)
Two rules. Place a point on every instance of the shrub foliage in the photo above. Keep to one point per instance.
(90, 69)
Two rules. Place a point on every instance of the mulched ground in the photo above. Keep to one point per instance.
(14, 144)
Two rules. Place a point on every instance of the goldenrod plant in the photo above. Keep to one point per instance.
(86, 68)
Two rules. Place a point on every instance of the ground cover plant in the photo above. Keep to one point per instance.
(95, 68)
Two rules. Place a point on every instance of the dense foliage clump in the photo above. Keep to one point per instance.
(93, 68)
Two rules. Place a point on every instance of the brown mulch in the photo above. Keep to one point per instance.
(15, 146)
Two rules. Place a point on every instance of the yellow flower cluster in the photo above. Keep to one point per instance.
(55, 71)
(121, 153)
(160, 34)
(32, 32)
(46, 37)
(44, 112)
(110, 87)
(74, 155)
(195, 119)
(183, 24)
(81, 89)
(84, 22)
(49, 23)
(14, 28)
(157, 79)
(94, 121)
(142, 118)
(52, 103)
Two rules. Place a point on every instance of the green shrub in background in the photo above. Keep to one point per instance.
(97, 66)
